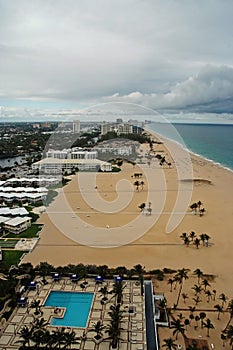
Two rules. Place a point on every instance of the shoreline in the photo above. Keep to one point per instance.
(154, 133)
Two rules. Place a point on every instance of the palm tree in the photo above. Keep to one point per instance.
(35, 304)
(136, 184)
(26, 334)
(114, 332)
(208, 325)
(202, 316)
(183, 235)
(104, 292)
(205, 284)
(199, 274)
(209, 294)
(186, 241)
(197, 289)
(199, 203)
(70, 338)
(193, 207)
(229, 335)
(223, 297)
(170, 281)
(202, 238)
(184, 296)
(142, 206)
(98, 328)
(142, 184)
(197, 300)
(196, 242)
(178, 327)
(181, 275)
(219, 308)
(192, 235)
(170, 344)
(59, 336)
(118, 291)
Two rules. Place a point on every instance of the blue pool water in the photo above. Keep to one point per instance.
(78, 306)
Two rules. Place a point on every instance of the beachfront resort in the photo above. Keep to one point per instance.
(160, 306)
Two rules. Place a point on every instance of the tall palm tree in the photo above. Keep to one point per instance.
(205, 283)
(199, 274)
(170, 344)
(178, 327)
(202, 238)
(208, 325)
(26, 334)
(114, 332)
(118, 291)
(181, 275)
(229, 335)
(58, 334)
(104, 291)
(192, 235)
(196, 242)
(70, 338)
(186, 241)
(197, 289)
(35, 304)
(209, 294)
(98, 328)
(219, 308)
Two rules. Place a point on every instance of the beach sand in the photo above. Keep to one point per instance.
(155, 248)
(89, 215)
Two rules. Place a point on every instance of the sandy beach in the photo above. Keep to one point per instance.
(155, 248)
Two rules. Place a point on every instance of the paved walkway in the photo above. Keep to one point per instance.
(133, 336)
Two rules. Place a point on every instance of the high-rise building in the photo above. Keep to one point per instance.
(76, 126)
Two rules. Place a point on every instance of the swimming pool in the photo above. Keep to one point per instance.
(77, 304)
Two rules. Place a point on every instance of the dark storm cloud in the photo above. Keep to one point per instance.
(177, 54)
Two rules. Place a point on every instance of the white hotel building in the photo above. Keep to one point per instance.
(71, 159)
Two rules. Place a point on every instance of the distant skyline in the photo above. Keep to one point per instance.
(62, 57)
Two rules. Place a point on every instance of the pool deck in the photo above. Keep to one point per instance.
(133, 324)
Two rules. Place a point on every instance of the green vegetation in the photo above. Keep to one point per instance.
(28, 233)
(134, 137)
(10, 257)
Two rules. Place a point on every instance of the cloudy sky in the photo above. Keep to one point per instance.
(168, 55)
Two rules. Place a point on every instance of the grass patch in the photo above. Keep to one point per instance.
(28, 233)
(11, 257)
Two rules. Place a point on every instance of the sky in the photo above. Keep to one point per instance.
(64, 56)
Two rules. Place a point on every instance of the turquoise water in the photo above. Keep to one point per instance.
(213, 141)
(77, 304)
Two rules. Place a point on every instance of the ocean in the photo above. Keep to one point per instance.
(212, 141)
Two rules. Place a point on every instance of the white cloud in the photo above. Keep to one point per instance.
(79, 51)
